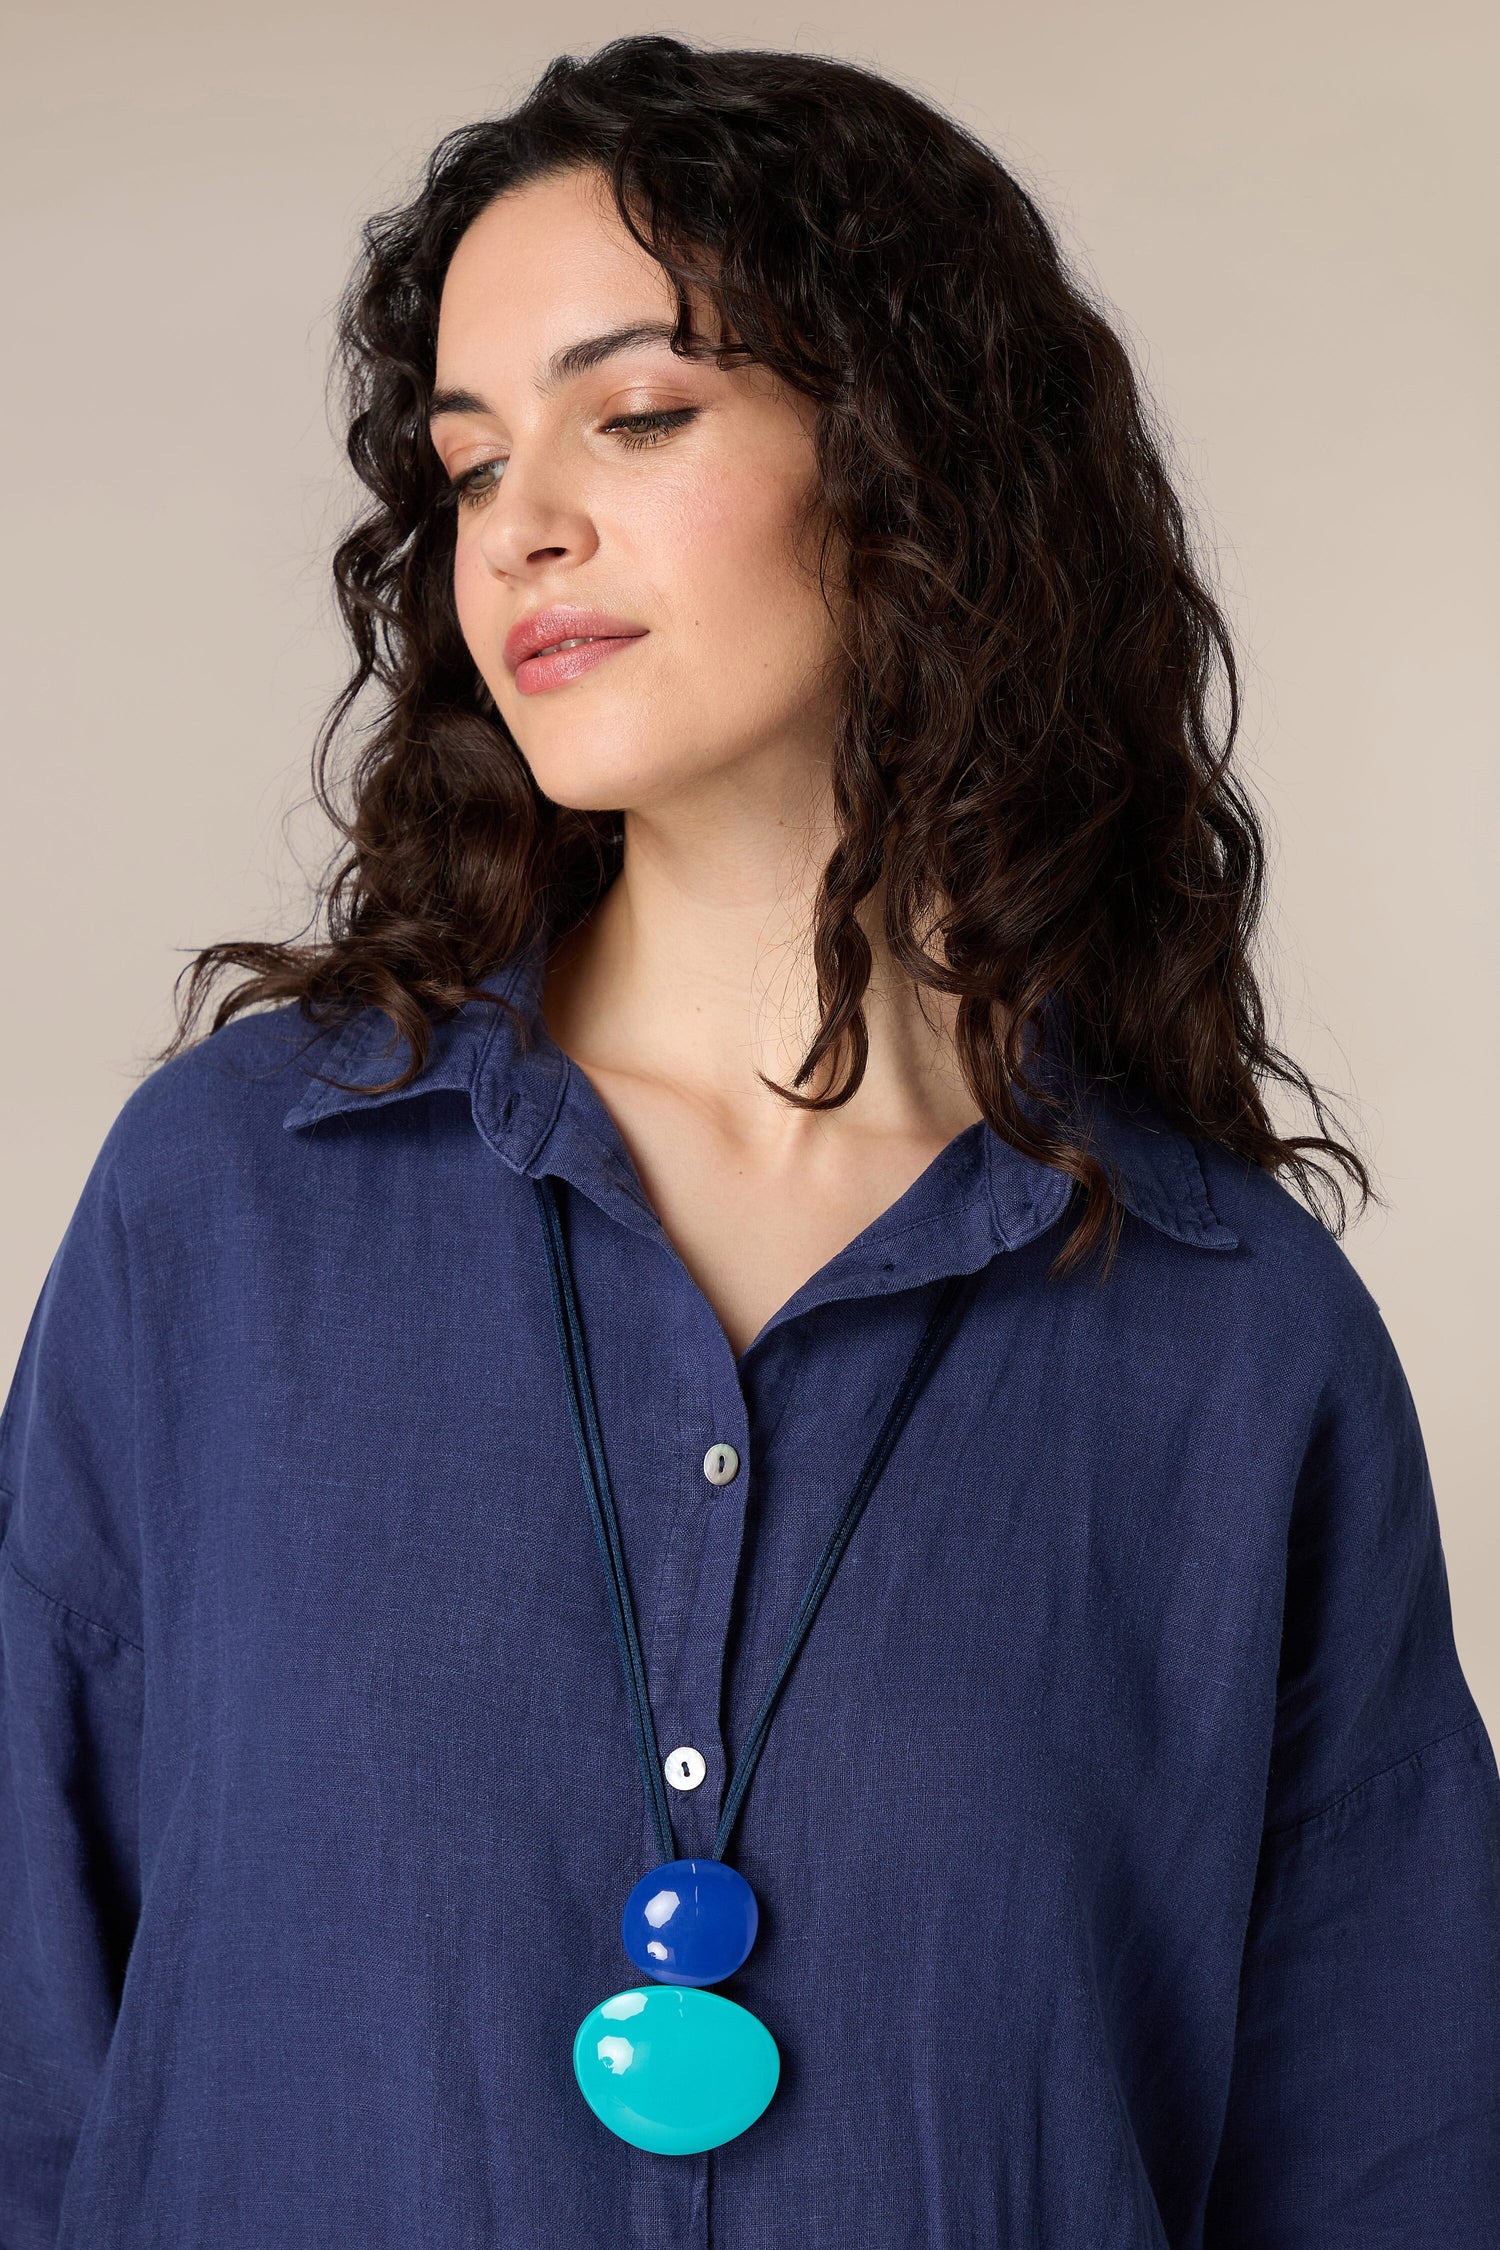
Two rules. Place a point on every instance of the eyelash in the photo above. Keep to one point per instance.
(644, 429)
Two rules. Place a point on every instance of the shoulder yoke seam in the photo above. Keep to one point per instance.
(53, 1602)
(1409, 1758)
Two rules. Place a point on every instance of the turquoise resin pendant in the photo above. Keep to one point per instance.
(674, 2069)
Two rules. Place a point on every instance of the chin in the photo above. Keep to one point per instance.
(588, 775)
(589, 784)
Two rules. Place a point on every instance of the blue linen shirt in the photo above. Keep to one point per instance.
(1127, 1839)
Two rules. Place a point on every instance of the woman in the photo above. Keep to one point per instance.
(698, 1550)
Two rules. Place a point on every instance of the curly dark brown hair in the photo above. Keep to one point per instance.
(1033, 742)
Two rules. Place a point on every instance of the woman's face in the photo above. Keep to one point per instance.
(681, 530)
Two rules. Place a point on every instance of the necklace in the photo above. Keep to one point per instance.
(670, 2066)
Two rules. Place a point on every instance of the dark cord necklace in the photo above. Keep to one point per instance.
(669, 2066)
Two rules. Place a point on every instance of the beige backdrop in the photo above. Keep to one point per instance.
(1288, 204)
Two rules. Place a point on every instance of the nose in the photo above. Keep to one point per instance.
(533, 520)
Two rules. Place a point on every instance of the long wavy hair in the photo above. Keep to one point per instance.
(1040, 699)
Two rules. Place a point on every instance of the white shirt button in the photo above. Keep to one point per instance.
(720, 1464)
(684, 1768)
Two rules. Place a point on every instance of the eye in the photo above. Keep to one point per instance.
(650, 429)
(468, 490)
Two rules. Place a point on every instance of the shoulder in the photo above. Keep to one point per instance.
(215, 1110)
(1294, 1279)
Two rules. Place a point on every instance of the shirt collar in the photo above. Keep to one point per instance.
(517, 1092)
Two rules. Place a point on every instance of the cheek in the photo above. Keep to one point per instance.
(740, 590)
(476, 600)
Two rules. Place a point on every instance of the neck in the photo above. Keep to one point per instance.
(695, 971)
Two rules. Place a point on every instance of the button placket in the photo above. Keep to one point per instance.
(686, 1660)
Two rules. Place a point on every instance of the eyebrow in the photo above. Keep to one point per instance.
(568, 361)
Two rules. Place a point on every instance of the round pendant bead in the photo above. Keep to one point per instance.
(674, 2070)
(690, 1921)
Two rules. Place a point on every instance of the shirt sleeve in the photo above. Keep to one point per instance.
(71, 1689)
(1364, 2103)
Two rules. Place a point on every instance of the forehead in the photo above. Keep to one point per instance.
(541, 263)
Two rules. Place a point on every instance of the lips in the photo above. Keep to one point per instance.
(531, 636)
(554, 667)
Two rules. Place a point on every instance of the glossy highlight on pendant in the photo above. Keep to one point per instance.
(674, 2069)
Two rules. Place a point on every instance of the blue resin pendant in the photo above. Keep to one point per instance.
(674, 2070)
(690, 1921)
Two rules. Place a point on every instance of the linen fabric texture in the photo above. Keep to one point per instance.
(1127, 1839)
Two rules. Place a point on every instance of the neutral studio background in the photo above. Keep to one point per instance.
(1287, 206)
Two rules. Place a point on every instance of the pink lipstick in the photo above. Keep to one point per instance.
(560, 644)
